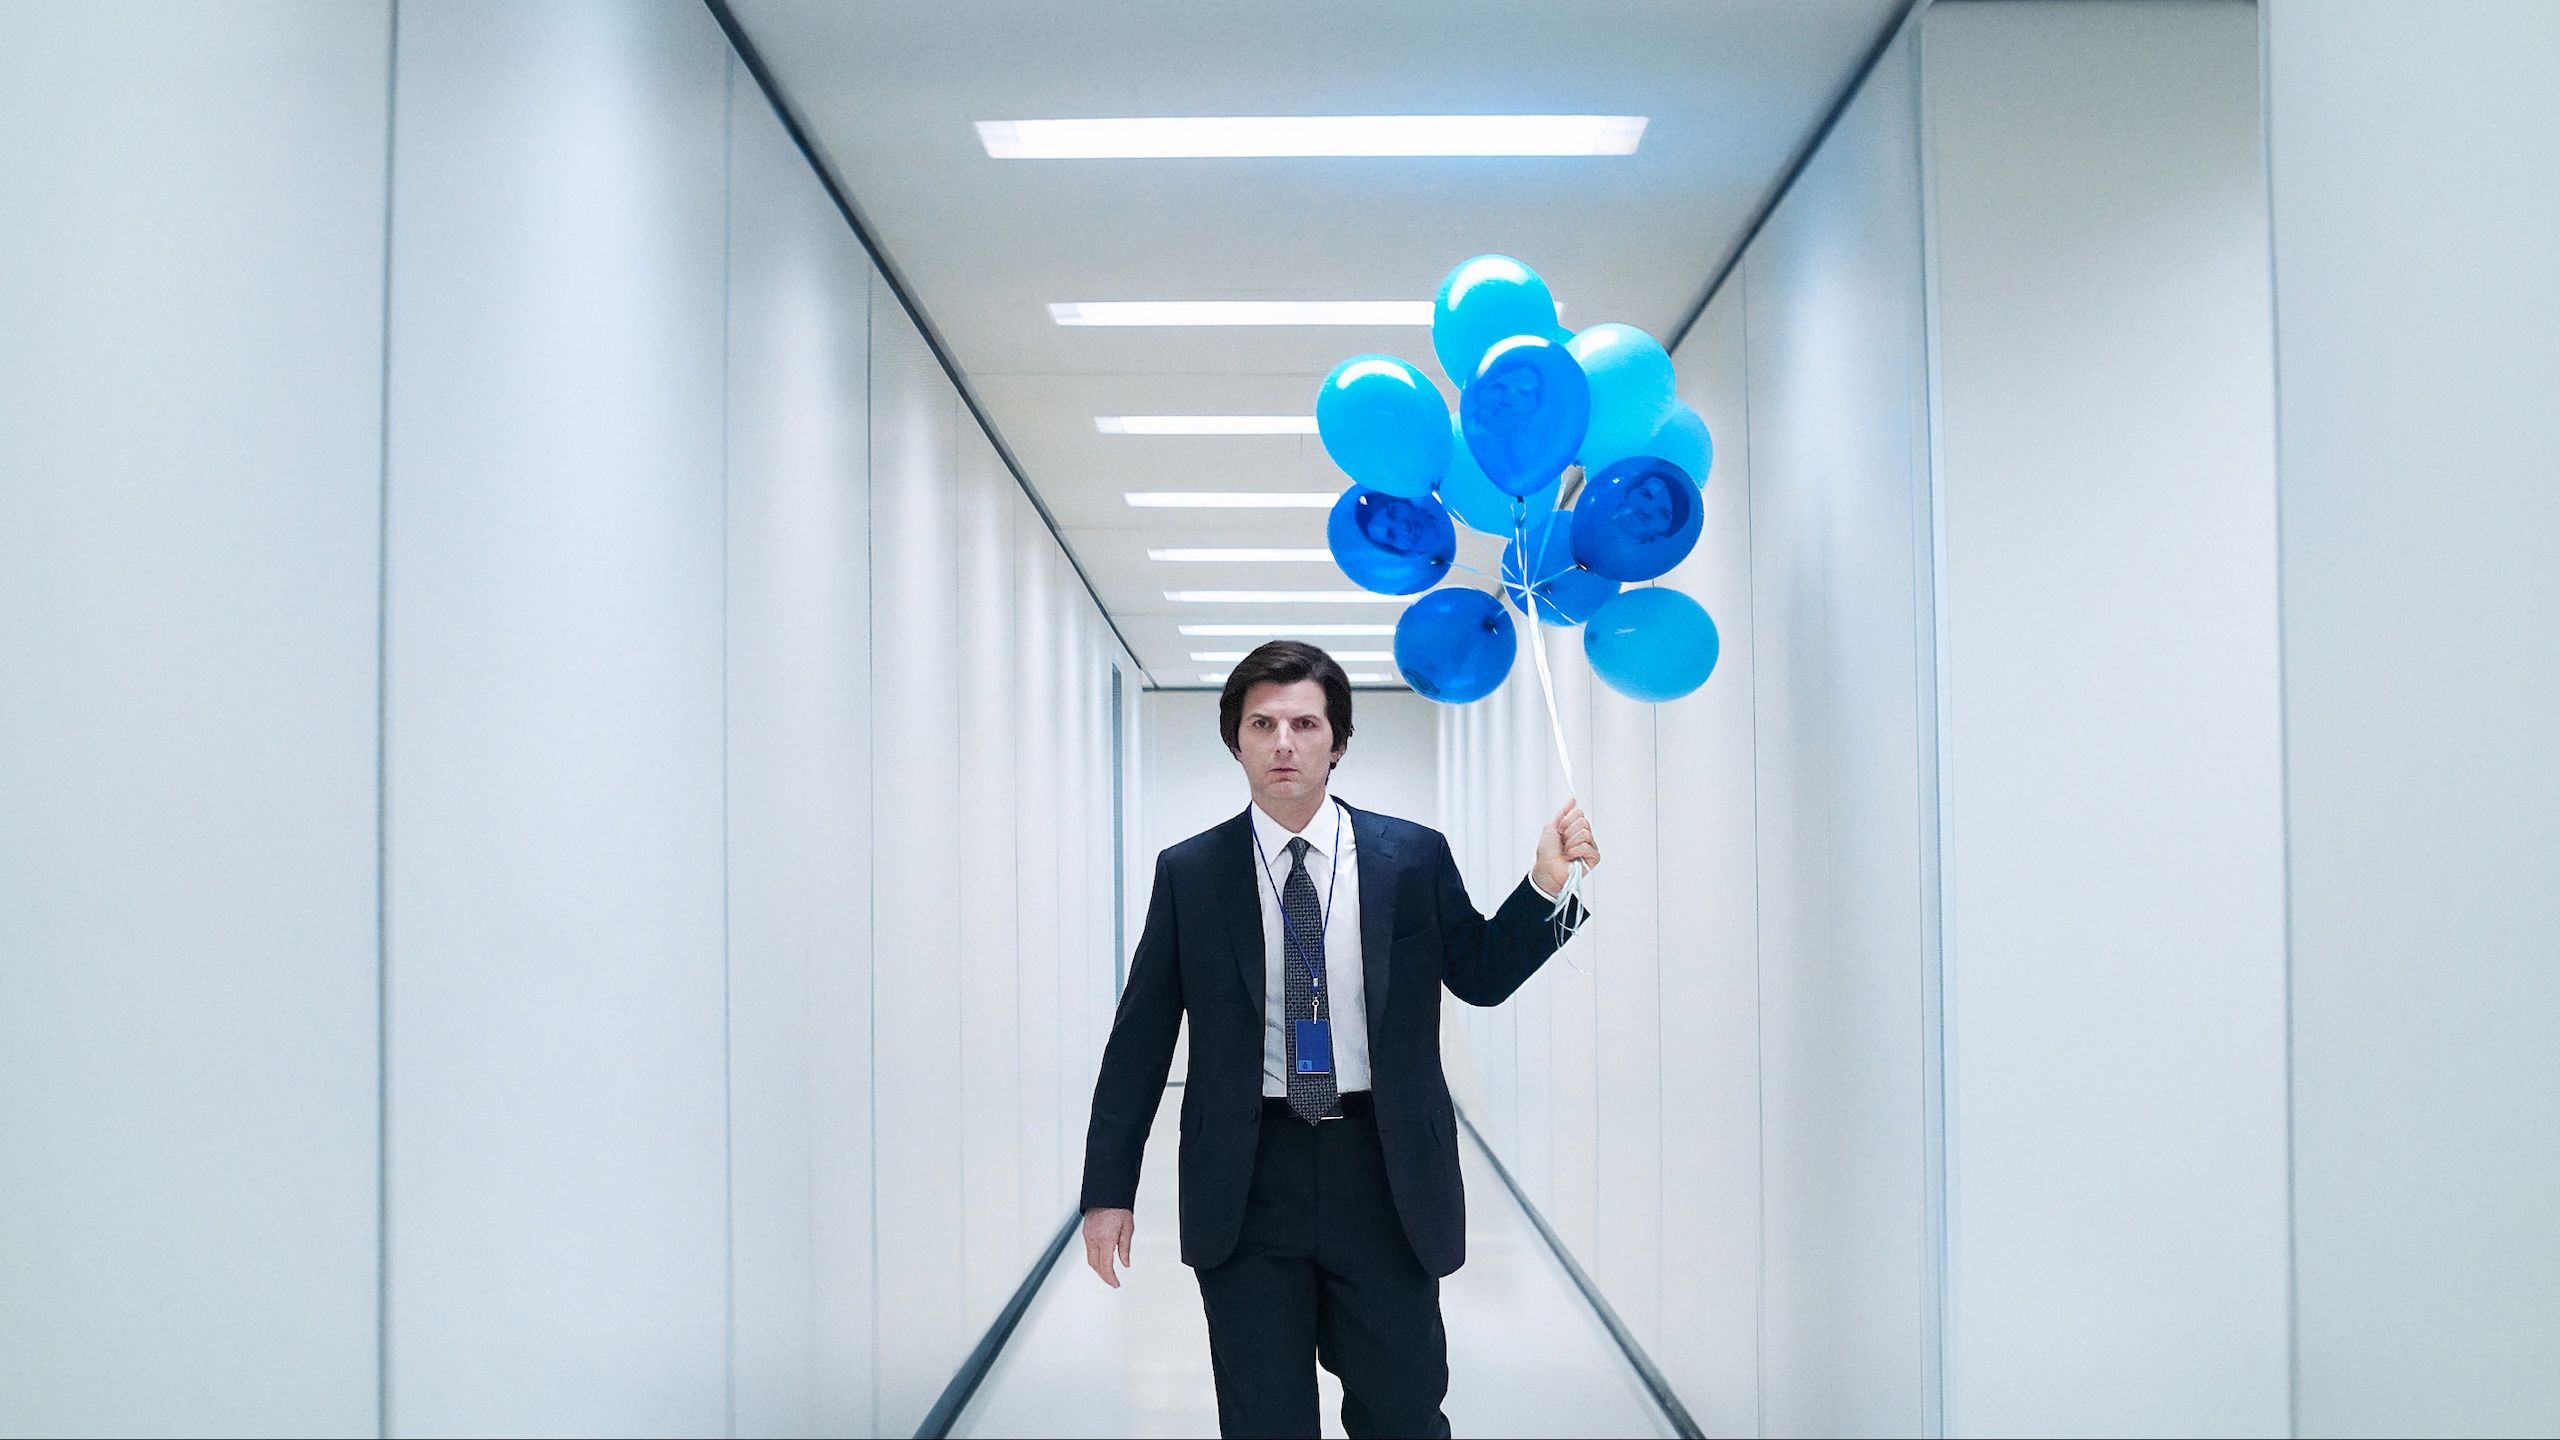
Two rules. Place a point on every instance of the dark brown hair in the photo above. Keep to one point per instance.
(1286, 662)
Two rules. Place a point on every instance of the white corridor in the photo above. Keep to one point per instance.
(1527, 1355)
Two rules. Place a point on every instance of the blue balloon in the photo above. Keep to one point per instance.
(1523, 414)
(1455, 645)
(1385, 424)
(1651, 644)
(1631, 390)
(1488, 298)
(1483, 505)
(1389, 543)
(1681, 438)
(1567, 594)
(1637, 519)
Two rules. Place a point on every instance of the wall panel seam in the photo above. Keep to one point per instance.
(381, 762)
(728, 989)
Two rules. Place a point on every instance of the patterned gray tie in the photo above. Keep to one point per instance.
(1313, 1097)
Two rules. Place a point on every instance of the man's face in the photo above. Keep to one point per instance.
(1649, 510)
(1285, 743)
(1510, 398)
(1400, 526)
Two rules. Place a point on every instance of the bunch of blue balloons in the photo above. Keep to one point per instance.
(1533, 400)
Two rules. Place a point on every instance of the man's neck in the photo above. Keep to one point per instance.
(1293, 818)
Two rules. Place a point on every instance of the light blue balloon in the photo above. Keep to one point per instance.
(1631, 390)
(1681, 438)
(1488, 298)
(1637, 519)
(1567, 594)
(1651, 644)
(1392, 544)
(1385, 424)
(1483, 505)
(1523, 414)
(1455, 645)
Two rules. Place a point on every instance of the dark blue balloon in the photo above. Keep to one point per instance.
(1390, 543)
(1455, 645)
(1651, 644)
(1637, 519)
(1524, 413)
(1567, 593)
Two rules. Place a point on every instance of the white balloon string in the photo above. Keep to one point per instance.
(1574, 876)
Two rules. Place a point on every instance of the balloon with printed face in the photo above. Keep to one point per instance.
(1523, 414)
(1481, 504)
(1392, 544)
(1631, 389)
(1385, 424)
(1651, 644)
(1488, 298)
(1637, 519)
(1455, 645)
(1566, 593)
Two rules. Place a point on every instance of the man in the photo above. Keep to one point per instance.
(1308, 942)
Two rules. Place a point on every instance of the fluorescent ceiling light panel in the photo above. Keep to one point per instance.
(1233, 499)
(1235, 630)
(1356, 677)
(1347, 657)
(1243, 312)
(1205, 424)
(1246, 137)
(1241, 557)
(1283, 597)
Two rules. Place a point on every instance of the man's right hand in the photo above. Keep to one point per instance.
(1106, 1233)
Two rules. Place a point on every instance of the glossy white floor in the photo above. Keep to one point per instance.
(1527, 1356)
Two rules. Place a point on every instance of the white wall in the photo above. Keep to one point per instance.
(1991, 548)
(1847, 780)
(716, 634)
(799, 754)
(1707, 923)
(2114, 862)
(554, 890)
(190, 431)
(2416, 187)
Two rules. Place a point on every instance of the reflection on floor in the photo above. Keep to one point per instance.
(1527, 1356)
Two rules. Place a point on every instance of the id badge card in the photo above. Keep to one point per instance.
(1315, 1047)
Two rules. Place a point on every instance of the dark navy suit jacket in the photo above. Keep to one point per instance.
(1201, 955)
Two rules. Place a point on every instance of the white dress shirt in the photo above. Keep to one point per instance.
(1347, 1005)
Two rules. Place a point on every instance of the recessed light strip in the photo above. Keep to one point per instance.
(1252, 137)
(1205, 424)
(1347, 657)
(1356, 677)
(1283, 597)
(1317, 555)
(1232, 499)
(1242, 312)
(1231, 631)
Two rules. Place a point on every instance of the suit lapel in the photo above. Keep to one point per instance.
(1378, 873)
(1233, 886)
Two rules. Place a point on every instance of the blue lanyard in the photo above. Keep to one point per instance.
(1289, 933)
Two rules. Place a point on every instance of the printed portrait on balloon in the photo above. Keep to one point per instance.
(1533, 400)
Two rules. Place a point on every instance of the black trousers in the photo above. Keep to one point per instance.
(1322, 1273)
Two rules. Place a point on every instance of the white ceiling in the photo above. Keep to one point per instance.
(889, 93)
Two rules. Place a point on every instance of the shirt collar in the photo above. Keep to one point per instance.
(1319, 833)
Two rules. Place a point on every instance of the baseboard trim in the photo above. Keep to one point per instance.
(956, 1395)
(1654, 1384)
